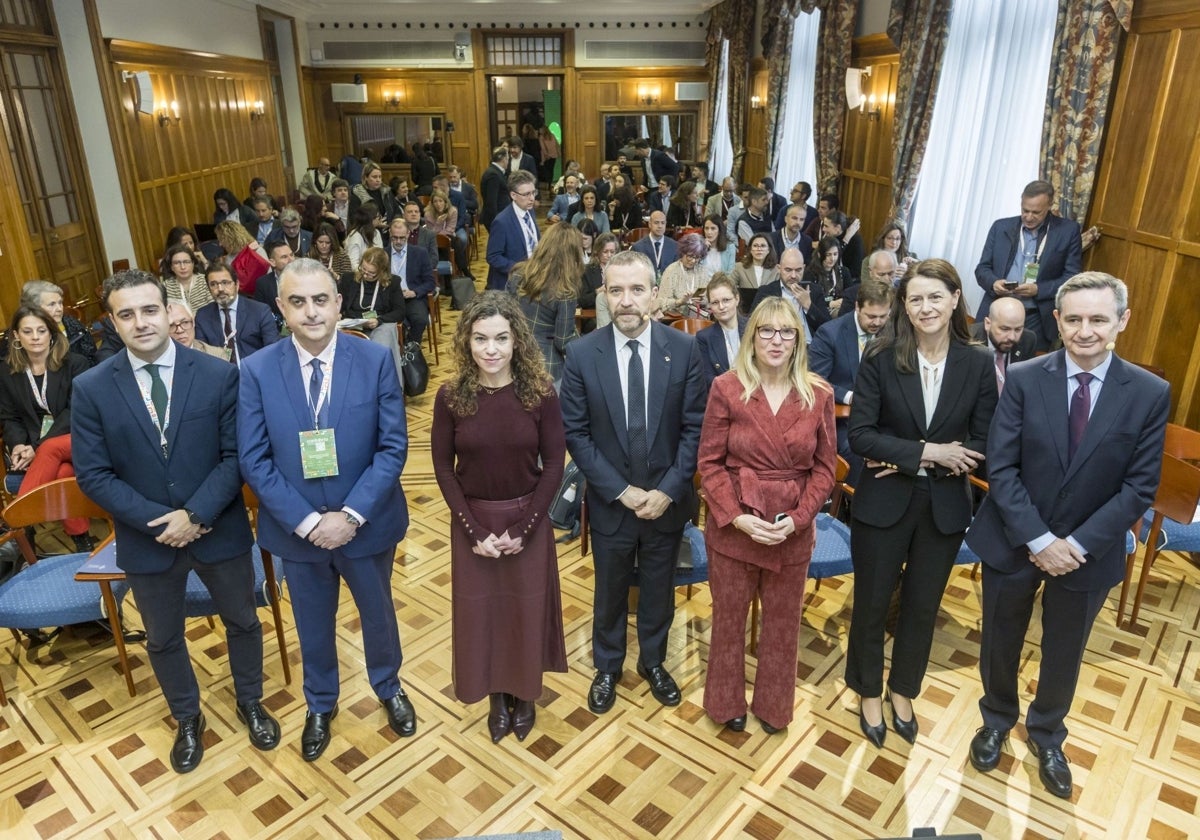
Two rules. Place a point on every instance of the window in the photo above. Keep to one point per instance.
(796, 159)
(524, 50)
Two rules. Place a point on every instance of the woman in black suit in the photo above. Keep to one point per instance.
(923, 402)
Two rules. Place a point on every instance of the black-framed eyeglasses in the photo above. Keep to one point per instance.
(769, 333)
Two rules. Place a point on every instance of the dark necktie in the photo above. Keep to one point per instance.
(230, 341)
(1081, 407)
(321, 412)
(158, 395)
(636, 418)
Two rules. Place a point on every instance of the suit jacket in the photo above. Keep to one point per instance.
(418, 270)
(804, 245)
(120, 465)
(669, 253)
(470, 197)
(493, 187)
(1062, 258)
(816, 315)
(713, 352)
(887, 424)
(311, 183)
(266, 291)
(833, 355)
(1025, 349)
(304, 237)
(19, 413)
(596, 430)
(810, 213)
(527, 163)
(1096, 495)
(715, 206)
(245, 216)
(658, 202)
(254, 327)
(505, 248)
(661, 164)
(367, 415)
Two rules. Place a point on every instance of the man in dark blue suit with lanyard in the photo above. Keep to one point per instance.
(325, 460)
(155, 444)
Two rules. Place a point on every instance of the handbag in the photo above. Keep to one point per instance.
(414, 371)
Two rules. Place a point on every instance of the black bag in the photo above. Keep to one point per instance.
(564, 509)
(414, 373)
(462, 290)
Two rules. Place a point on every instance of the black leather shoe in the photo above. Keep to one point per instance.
(523, 716)
(906, 729)
(401, 715)
(188, 749)
(316, 734)
(875, 734)
(1053, 770)
(985, 748)
(603, 692)
(737, 724)
(769, 729)
(499, 720)
(264, 729)
(661, 685)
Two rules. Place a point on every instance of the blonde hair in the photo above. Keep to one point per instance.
(233, 237)
(804, 382)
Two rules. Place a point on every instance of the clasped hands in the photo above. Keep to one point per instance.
(333, 530)
(180, 529)
(762, 531)
(495, 546)
(1021, 290)
(953, 456)
(647, 504)
(1058, 558)
(20, 457)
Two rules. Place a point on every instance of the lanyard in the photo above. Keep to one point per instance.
(1041, 245)
(161, 425)
(39, 396)
(374, 297)
(325, 385)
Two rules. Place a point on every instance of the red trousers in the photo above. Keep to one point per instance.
(733, 585)
(53, 460)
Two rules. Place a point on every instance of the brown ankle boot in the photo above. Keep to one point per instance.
(499, 719)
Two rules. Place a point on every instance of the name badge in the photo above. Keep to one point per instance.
(47, 422)
(369, 314)
(318, 453)
(1031, 272)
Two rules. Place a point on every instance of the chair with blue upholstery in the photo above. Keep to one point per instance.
(267, 587)
(1170, 524)
(45, 593)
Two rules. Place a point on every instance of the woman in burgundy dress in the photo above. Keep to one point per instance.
(492, 423)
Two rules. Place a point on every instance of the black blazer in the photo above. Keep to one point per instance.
(389, 305)
(816, 315)
(1095, 496)
(19, 412)
(887, 424)
(1025, 349)
(711, 341)
(493, 187)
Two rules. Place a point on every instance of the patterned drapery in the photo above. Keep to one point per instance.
(1086, 38)
(919, 29)
(732, 20)
(777, 25)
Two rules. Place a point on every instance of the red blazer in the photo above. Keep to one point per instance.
(753, 461)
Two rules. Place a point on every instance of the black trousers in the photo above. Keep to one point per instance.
(160, 600)
(654, 552)
(416, 318)
(1067, 619)
(915, 546)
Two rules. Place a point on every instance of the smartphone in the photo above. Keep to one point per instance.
(779, 517)
(1010, 284)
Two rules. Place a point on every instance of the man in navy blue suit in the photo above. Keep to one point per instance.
(659, 248)
(656, 164)
(412, 271)
(236, 322)
(513, 235)
(632, 404)
(155, 444)
(325, 461)
(1074, 457)
(1029, 257)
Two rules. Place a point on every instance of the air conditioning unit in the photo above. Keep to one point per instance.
(349, 93)
(691, 91)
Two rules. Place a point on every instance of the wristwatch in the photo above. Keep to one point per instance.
(194, 518)
(352, 519)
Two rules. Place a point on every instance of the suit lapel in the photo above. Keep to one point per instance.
(953, 381)
(660, 374)
(607, 372)
(126, 385)
(1109, 406)
(910, 386)
(342, 369)
(290, 375)
(1053, 387)
(181, 387)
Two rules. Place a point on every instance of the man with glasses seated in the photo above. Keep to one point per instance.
(181, 327)
(238, 323)
(812, 307)
(513, 235)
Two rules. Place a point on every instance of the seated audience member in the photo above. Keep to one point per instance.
(566, 203)
(328, 251)
(35, 406)
(313, 214)
(685, 278)
(722, 254)
(725, 199)
(573, 169)
(266, 287)
(181, 326)
(318, 181)
(266, 222)
(791, 234)
(243, 254)
(413, 273)
(373, 293)
(775, 202)
(590, 209)
(338, 212)
(827, 275)
(441, 217)
(604, 248)
(808, 301)
(719, 343)
(1003, 331)
(839, 345)
(363, 233)
(292, 232)
(182, 279)
(757, 269)
(547, 287)
(42, 294)
(686, 209)
(419, 235)
(258, 189)
(734, 217)
(372, 191)
(801, 192)
(660, 199)
(183, 236)
(605, 183)
(699, 173)
(837, 224)
(825, 205)
(460, 185)
(893, 240)
(227, 208)
(236, 322)
(625, 212)
(756, 218)
(587, 235)
(399, 188)
(458, 201)
(660, 248)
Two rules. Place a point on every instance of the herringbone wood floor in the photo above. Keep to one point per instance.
(80, 758)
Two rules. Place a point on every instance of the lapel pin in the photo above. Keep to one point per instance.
(666, 359)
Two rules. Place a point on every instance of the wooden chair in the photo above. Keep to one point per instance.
(117, 265)
(691, 326)
(682, 232)
(633, 235)
(360, 333)
(431, 329)
(267, 585)
(1173, 509)
(46, 593)
(445, 243)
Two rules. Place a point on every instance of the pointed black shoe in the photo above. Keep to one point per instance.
(499, 720)
(906, 729)
(875, 734)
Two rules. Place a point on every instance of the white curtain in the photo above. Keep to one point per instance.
(666, 131)
(986, 129)
(720, 150)
(797, 158)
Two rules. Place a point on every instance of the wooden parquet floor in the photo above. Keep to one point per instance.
(80, 758)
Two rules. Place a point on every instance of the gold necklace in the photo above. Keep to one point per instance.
(492, 391)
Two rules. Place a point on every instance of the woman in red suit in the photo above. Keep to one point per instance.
(767, 454)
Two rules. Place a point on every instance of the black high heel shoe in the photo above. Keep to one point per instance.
(875, 734)
(906, 729)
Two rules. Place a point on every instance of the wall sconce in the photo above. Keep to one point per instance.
(649, 94)
(757, 103)
(257, 110)
(167, 113)
(873, 110)
(391, 98)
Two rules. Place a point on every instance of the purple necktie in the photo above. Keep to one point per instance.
(1081, 407)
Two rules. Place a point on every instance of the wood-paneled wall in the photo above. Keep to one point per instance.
(1147, 200)
(754, 166)
(866, 184)
(170, 172)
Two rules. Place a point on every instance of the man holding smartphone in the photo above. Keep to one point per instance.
(1029, 257)
(813, 309)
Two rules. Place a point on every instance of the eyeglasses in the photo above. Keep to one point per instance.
(769, 333)
(180, 326)
(525, 194)
(217, 284)
(180, 263)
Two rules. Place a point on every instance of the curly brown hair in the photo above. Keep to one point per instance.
(530, 380)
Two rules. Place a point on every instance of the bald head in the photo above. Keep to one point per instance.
(1004, 323)
(882, 266)
(658, 223)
